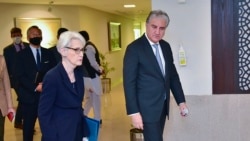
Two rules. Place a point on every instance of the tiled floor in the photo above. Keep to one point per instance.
(115, 126)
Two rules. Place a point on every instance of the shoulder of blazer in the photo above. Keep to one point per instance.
(26, 44)
(143, 38)
(163, 42)
(46, 50)
(142, 41)
(59, 70)
(48, 55)
(56, 73)
(165, 45)
(25, 53)
(10, 47)
(167, 51)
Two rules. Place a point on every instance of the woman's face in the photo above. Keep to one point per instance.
(74, 53)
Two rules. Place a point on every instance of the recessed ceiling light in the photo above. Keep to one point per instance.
(129, 5)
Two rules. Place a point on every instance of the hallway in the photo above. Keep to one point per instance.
(115, 126)
(210, 118)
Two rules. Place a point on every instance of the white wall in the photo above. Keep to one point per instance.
(190, 24)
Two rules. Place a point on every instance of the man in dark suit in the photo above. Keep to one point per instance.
(10, 53)
(32, 64)
(149, 74)
(54, 49)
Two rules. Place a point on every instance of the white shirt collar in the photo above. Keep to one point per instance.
(150, 42)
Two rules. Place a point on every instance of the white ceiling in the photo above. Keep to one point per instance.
(111, 6)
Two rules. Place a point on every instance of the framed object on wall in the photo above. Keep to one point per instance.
(114, 36)
(49, 27)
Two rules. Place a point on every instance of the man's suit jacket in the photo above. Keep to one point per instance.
(56, 54)
(60, 105)
(10, 54)
(27, 74)
(146, 89)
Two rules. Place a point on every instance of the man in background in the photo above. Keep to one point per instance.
(10, 53)
(32, 64)
(54, 49)
(91, 61)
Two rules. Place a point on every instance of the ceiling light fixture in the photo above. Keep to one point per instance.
(129, 6)
(181, 1)
(50, 6)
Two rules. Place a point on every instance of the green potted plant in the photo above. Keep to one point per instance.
(106, 82)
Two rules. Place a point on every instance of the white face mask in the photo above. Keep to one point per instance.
(17, 40)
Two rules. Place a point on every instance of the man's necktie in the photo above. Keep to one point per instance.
(38, 59)
(158, 57)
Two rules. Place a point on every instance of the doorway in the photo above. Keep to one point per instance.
(231, 46)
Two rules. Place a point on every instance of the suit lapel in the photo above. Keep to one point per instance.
(30, 56)
(150, 54)
(42, 57)
(79, 80)
(66, 80)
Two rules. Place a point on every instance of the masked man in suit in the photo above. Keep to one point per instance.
(32, 64)
(10, 53)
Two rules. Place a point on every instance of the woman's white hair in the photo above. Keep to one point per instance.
(66, 38)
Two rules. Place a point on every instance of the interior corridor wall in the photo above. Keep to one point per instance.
(10, 11)
(96, 23)
(190, 25)
(74, 18)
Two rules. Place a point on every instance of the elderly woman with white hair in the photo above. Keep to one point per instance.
(60, 110)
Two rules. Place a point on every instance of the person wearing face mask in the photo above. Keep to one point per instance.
(10, 53)
(31, 65)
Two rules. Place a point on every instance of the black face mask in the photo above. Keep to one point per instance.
(36, 40)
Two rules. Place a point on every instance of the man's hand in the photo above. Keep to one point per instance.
(183, 109)
(39, 87)
(137, 121)
(90, 90)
